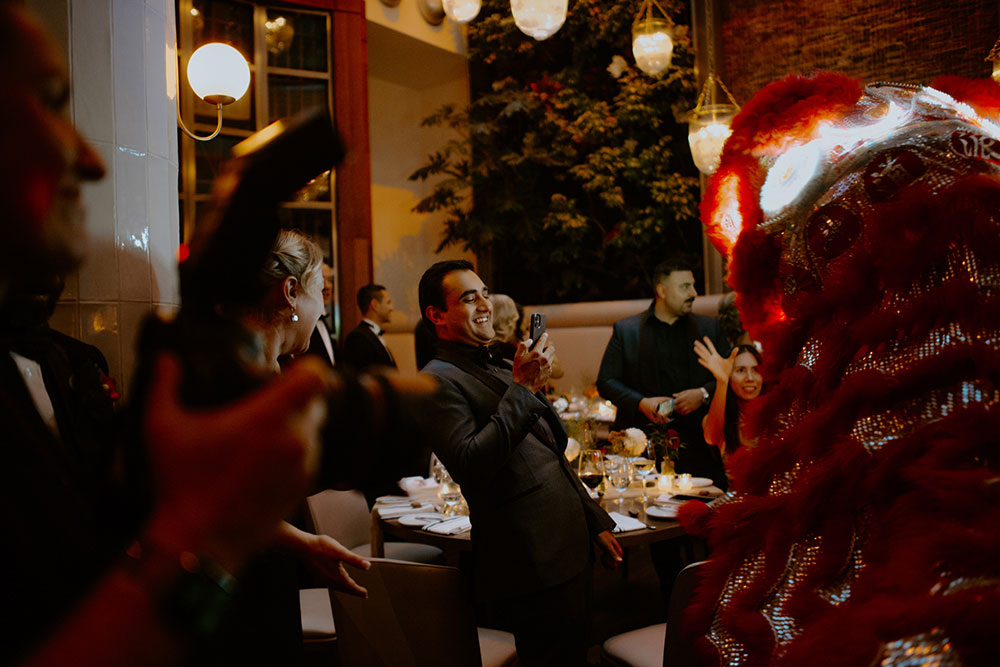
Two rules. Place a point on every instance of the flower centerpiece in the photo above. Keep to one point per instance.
(630, 442)
(666, 444)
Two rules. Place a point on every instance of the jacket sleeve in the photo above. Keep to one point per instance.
(611, 377)
(473, 452)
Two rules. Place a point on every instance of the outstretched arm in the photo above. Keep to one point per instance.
(721, 368)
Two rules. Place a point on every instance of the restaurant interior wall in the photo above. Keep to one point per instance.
(121, 59)
(413, 68)
(909, 41)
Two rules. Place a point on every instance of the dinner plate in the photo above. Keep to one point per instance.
(421, 519)
(700, 481)
(664, 512)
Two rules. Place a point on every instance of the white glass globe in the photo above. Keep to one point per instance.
(708, 130)
(218, 73)
(539, 18)
(652, 45)
(461, 11)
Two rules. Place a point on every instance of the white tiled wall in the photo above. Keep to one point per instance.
(121, 61)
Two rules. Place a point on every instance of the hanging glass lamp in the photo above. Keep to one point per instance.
(652, 41)
(539, 19)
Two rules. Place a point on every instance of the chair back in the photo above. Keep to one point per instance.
(415, 615)
(343, 515)
(678, 648)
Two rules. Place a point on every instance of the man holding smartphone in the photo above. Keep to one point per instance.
(533, 523)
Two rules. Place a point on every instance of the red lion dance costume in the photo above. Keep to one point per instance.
(863, 228)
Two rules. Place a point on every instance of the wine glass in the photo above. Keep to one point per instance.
(643, 466)
(619, 471)
(591, 469)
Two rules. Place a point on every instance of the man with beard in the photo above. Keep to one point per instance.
(650, 372)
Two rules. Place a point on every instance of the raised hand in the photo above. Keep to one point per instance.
(720, 367)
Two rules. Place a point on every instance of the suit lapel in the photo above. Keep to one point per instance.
(647, 370)
(550, 436)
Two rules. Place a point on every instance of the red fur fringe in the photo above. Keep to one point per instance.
(918, 501)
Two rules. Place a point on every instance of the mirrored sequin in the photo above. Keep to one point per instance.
(928, 649)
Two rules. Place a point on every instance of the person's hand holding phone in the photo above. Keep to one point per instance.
(533, 362)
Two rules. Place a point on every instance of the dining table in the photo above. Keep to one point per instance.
(644, 528)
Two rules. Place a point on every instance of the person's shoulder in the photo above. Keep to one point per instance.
(706, 322)
(440, 367)
(631, 321)
(79, 351)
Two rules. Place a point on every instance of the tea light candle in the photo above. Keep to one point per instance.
(684, 482)
(665, 484)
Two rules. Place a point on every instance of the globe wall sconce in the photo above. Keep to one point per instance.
(219, 75)
(652, 42)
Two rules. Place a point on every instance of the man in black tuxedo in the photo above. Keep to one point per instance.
(364, 346)
(533, 523)
(321, 342)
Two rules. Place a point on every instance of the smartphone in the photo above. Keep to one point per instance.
(537, 328)
(665, 409)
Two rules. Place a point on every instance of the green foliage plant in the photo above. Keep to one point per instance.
(569, 174)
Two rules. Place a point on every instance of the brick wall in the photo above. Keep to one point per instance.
(895, 40)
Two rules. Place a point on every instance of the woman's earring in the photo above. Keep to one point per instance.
(295, 316)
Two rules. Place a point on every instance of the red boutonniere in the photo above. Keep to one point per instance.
(108, 385)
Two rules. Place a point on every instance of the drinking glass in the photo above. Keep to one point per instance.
(643, 466)
(591, 469)
(450, 493)
(620, 475)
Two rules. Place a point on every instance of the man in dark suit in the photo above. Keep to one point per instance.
(533, 522)
(650, 371)
(364, 346)
(321, 342)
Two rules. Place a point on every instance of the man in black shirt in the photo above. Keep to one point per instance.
(650, 372)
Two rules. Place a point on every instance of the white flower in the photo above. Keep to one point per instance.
(635, 441)
(617, 66)
(572, 449)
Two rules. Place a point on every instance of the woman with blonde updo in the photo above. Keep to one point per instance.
(505, 317)
(269, 629)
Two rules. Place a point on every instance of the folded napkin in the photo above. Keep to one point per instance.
(415, 484)
(393, 511)
(625, 523)
(393, 500)
(453, 526)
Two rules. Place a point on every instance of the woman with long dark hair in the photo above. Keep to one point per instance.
(738, 381)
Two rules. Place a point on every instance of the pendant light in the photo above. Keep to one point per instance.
(652, 43)
(709, 121)
(539, 18)
(461, 11)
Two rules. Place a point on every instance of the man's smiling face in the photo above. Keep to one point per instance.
(468, 317)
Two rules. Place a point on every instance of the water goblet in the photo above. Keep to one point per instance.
(620, 476)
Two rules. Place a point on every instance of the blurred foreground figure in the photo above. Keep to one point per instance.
(863, 227)
(78, 586)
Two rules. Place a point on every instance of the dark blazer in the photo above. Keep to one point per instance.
(532, 520)
(363, 348)
(627, 374)
(316, 346)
